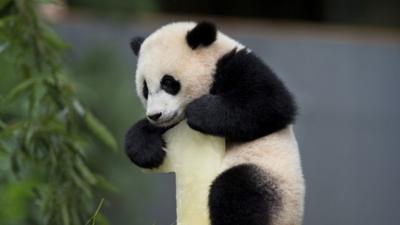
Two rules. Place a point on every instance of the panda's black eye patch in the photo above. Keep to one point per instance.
(145, 90)
(170, 85)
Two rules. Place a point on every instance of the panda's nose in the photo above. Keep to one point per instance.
(154, 117)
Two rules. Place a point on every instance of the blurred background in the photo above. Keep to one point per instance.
(341, 59)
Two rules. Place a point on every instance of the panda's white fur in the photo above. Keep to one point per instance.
(162, 53)
(165, 52)
(278, 155)
(196, 159)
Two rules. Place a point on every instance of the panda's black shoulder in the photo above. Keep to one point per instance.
(243, 68)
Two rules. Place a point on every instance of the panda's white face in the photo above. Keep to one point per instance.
(170, 74)
(163, 101)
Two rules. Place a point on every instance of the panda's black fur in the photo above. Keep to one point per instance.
(242, 195)
(245, 85)
(143, 144)
(135, 44)
(246, 101)
(205, 33)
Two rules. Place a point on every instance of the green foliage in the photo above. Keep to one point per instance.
(46, 133)
(92, 220)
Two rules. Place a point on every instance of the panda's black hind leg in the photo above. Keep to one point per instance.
(242, 195)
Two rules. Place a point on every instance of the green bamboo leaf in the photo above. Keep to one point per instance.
(20, 88)
(86, 173)
(75, 216)
(100, 131)
(64, 214)
(39, 92)
(51, 126)
(78, 107)
(53, 39)
(105, 184)
(12, 130)
(40, 136)
(92, 220)
(102, 220)
(29, 132)
(81, 184)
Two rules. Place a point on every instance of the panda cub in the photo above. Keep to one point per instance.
(193, 74)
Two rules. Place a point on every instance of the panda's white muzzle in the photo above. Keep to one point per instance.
(163, 109)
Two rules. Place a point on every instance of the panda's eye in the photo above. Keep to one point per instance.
(170, 85)
(145, 90)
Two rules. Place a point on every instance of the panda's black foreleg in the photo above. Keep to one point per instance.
(222, 116)
(144, 144)
(242, 195)
(216, 115)
(246, 101)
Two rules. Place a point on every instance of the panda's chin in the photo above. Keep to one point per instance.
(169, 122)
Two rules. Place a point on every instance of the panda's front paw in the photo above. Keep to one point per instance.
(200, 114)
(144, 145)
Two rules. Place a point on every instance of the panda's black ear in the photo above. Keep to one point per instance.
(136, 43)
(204, 33)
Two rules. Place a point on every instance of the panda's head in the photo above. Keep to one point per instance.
(175, 66)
